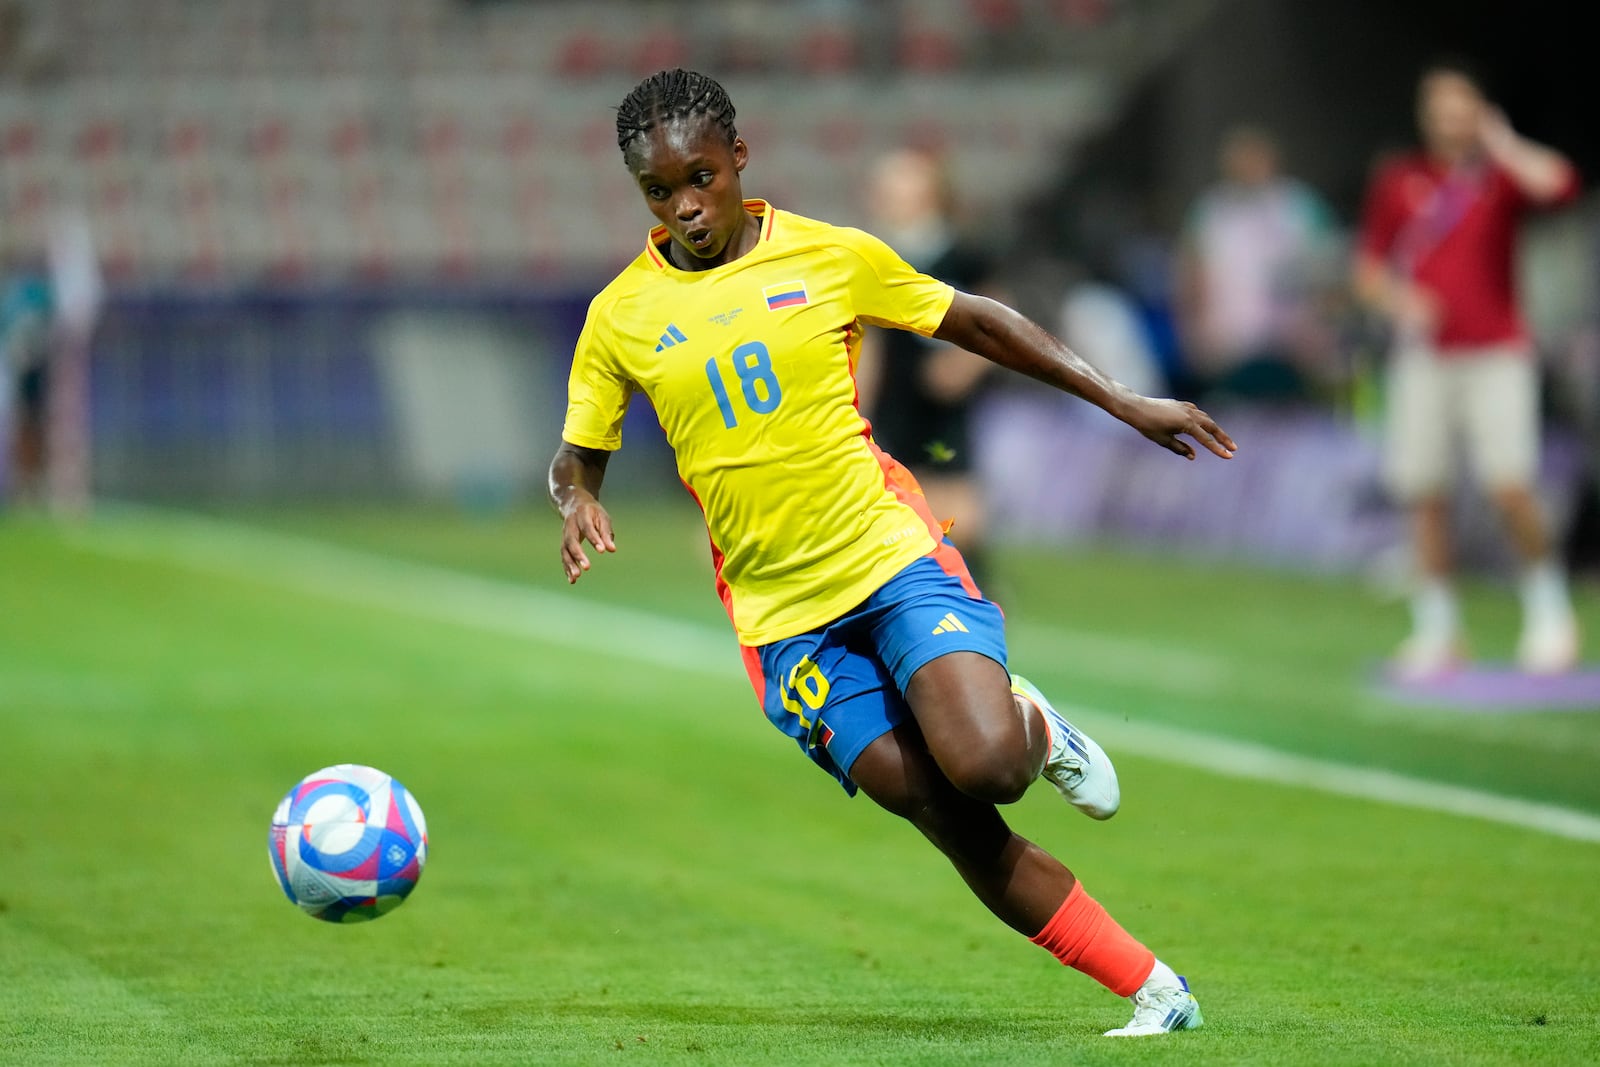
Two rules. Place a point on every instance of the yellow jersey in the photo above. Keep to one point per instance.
(751, 368)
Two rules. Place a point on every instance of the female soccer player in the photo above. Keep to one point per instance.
(863, 634)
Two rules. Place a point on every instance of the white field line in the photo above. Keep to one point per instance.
(424, 591)
(346, 575)
(1102, 657)
(1242, 759)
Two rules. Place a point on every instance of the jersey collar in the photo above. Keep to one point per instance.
(658, 236)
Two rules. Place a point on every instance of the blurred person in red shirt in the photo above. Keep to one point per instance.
(1435, 257)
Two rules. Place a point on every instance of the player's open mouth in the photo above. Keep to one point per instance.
(698, 239)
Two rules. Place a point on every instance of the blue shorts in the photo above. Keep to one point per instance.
(838, 688)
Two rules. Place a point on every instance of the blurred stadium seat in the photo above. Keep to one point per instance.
(249, 169)
(273, 138)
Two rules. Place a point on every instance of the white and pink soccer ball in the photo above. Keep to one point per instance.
(348, 843)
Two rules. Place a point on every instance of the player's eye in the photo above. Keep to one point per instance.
(656, 192)
(702, 178)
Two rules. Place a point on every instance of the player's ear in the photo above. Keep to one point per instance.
(741, 153)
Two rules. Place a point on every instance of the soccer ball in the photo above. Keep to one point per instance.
(348, 843)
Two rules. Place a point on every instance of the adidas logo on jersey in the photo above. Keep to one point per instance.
(673, 336)
(950, 624)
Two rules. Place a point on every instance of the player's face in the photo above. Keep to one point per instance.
(689, 175)
(1449, 112)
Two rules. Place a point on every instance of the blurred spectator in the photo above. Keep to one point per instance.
(76, 294)
(917, 392)
(1256, 260)
(1436, 260)
(25, 329)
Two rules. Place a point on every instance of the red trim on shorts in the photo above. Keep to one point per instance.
(903, 484)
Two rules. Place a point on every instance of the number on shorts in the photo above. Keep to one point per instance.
(806, 682)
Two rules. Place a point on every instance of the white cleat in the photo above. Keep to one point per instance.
(1078, 768)
(1549, 646)
(1161, 1007)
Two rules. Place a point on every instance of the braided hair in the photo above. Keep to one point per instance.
(672, 94)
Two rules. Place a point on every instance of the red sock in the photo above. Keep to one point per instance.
(1081, 935)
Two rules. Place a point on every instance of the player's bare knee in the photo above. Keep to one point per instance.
(994, 769)
(1001, 785)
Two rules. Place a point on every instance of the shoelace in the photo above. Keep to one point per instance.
(1153, 1006)
(1068, 774)
(1069, 767)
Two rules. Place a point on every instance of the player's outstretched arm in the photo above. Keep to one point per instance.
(1011, 339)
(575, 477)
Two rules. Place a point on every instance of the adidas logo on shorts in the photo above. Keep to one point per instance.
(950, 624)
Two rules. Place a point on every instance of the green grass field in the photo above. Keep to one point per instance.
(629, 865)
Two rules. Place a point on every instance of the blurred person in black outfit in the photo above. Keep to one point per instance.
(918, 393)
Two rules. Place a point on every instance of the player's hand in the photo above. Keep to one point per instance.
(586, 521)
(1166, 422)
